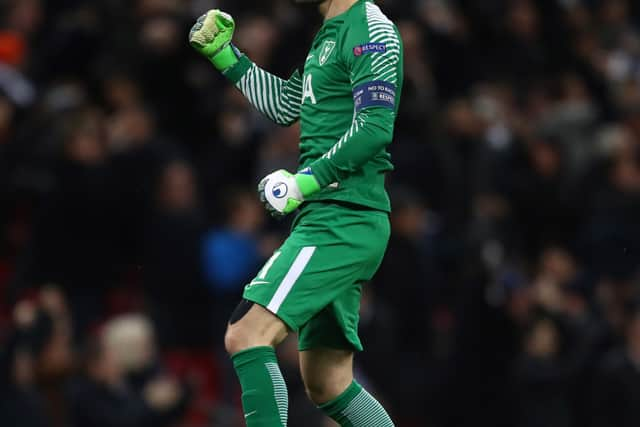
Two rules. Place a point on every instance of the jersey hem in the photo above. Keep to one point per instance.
(370, 204)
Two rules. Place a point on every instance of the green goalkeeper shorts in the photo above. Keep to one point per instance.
(313, 282)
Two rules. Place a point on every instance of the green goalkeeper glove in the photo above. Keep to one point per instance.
(282, 192)
(211, 36)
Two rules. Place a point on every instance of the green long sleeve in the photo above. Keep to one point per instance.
(276, 98)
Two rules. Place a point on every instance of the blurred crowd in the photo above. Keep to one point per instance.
(510, 293)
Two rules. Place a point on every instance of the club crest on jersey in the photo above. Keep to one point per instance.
(366, 48)
(325, 51)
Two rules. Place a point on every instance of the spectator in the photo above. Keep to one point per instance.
(232, 255)
(171, 271)
(21, 401)
(616, 393)
(541, 379)
(73, 242)
(122, 386)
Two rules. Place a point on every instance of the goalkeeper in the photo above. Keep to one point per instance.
(346, 99)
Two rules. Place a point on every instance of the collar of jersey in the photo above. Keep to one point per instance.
(340, 18)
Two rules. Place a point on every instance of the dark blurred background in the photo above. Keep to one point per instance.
(509, 296)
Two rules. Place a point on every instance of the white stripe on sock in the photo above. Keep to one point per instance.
(279, 390)
(365, 411)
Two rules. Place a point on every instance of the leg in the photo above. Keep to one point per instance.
(328, 378)
(325, 258)
(250, 339)
(326, 373)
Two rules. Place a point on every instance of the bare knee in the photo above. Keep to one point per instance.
(236, 340)
(245, 335)
(257, 328)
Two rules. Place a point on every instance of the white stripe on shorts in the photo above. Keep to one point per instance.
(290, 278)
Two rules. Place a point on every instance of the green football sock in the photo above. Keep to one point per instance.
(357, 408)
(264, 392)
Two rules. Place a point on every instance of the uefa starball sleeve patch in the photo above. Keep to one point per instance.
(377, 93)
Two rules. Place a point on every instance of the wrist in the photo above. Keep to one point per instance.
(226, 58)
(324, 172)
(307, 182)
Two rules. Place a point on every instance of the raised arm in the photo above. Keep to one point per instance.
(276, 98)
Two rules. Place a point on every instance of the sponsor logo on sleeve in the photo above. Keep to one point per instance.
(367, 48)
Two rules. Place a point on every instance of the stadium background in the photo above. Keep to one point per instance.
(128, 220)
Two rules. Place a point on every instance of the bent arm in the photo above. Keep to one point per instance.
(373, 55)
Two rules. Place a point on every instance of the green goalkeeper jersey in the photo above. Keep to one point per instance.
(346, 100)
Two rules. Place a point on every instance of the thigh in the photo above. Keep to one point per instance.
(326, 372)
